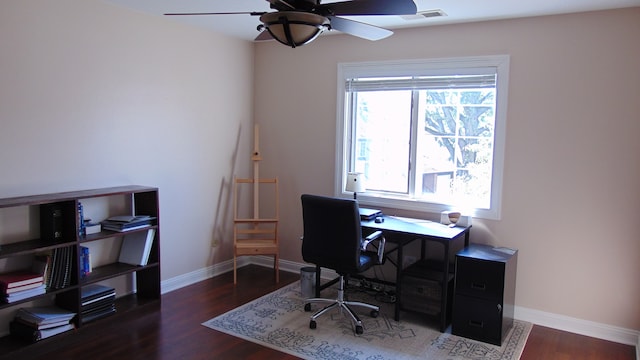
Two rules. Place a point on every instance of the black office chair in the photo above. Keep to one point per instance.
(333, 239)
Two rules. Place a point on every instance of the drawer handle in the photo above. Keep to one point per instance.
(476, 286)
(479, 324)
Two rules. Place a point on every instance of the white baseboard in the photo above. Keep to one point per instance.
(578, 326)
(555, 321)
(200, 275)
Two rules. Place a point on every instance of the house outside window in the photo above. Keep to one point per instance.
(427, 134)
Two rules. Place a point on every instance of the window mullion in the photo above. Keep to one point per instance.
(413, 151)
(352, 131)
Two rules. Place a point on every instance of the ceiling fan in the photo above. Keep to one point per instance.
(298, 22)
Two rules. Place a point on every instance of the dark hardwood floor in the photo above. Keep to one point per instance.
(173, 330)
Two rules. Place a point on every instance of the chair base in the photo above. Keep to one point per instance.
(340, 304)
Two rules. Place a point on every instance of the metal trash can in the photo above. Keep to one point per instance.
(308, 282)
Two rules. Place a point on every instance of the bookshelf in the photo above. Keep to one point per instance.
(35, 237)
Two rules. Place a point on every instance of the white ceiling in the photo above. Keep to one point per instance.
(244, 26)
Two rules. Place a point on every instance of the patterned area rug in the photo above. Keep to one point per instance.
(278, 320)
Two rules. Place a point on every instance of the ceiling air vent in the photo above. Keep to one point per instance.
(425, 15)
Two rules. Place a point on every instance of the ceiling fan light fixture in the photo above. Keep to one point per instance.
(294, 28)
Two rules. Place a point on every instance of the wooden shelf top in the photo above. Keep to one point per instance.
(72, 195)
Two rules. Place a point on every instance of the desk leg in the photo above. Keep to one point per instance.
(398, 282)
(318, 286)
(445, 289)
(466, 238)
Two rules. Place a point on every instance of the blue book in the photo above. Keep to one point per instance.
(85, 261)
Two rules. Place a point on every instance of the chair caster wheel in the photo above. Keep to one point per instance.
(374, 313)
(307, 307)
(312, 324)
(359, 330)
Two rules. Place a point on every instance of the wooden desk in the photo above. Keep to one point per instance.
(402, 231)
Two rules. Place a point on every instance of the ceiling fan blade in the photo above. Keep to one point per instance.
(282, 5)
(369, 7)
(252, 13)
(361, 30)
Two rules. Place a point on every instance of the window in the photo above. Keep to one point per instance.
(427, 134)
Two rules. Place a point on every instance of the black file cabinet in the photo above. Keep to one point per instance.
(485, 284)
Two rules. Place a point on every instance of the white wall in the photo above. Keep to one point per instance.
(570, 200)
(93, 95)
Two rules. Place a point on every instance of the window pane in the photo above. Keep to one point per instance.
(383, 125)
(454, 164)
(472, 183)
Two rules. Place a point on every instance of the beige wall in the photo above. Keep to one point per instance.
(570, 197)
(85, 86)
(92, 95)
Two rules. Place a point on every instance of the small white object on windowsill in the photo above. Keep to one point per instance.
(455, 218)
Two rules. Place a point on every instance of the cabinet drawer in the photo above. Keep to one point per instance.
(483, 279)
(424, 295)
(477, 319)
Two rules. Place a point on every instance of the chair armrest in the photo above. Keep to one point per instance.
(373, 237)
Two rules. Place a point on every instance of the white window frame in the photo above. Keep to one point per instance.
(424, 67)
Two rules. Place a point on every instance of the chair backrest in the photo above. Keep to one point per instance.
(332, 233)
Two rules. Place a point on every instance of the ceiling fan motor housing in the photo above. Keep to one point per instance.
(294, 28)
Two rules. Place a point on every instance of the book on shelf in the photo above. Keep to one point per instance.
(19, 278)
(61, 265)
(85, 261)
(81, 228)
(99, 305)
(19, 289)
(56, 260)
(136, 247)
(127, 222)
(121, 229)
(41, 264)
(43, 315)
(96, 292)
(24, 294)
(129, 219)
(18, 329)
(98, 313)
(98, 301)
(41, 326)
(91, 227)
(89, 294)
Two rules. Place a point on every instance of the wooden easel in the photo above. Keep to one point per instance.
(255, 235)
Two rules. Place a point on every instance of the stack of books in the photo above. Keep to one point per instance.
(97, 301)
(37, 323)
(127, 222)
(19, 285)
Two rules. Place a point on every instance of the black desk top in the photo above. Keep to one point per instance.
(416, 227)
